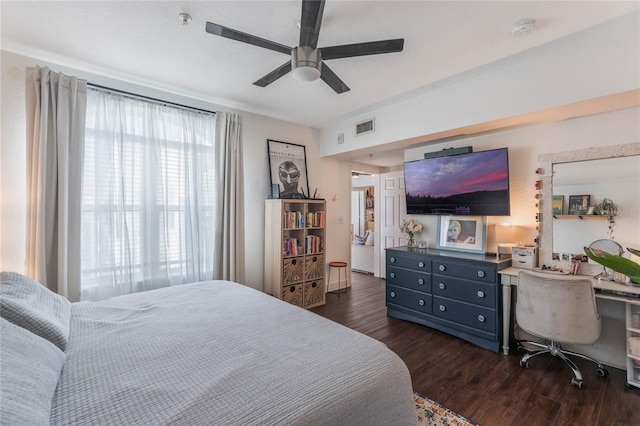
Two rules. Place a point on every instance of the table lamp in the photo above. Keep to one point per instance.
(506, 238)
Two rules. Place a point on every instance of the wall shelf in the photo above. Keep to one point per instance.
(579, 216)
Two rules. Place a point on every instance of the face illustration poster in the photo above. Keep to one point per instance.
(288, 168)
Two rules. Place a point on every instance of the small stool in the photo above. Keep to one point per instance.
(338, 265)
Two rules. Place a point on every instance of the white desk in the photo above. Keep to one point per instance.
(509, 277)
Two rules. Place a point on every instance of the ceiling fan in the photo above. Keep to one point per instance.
(307, 59)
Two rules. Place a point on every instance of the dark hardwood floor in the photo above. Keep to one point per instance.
(488, 388)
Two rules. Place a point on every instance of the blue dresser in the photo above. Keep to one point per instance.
(454, 292)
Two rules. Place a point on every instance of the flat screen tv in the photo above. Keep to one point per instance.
(475, 183)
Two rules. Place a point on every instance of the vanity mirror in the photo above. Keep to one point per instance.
(608, 172)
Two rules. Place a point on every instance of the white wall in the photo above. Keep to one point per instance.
(322, 173)
(596, 62)
(620, 127)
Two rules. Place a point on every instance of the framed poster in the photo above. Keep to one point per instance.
(288, 168)
(557, 204)
(579, 204)
(462, 233)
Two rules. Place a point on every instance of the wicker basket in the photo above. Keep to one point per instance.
(313, 267)
(292, 294)
(293, 270)
(313, 293)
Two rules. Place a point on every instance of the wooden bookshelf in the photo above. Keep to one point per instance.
(294, 267)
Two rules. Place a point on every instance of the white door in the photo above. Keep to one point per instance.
(392, 212)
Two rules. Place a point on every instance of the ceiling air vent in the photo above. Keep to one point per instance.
(364, 127)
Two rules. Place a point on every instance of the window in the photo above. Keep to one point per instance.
(148, 195)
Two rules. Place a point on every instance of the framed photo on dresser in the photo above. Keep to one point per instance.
(462, 233)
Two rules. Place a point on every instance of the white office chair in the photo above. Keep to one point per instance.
(560, 309)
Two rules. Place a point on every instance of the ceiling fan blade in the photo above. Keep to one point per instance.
(333, 80)
(362, 49)
(274, 75)
(310, 22)
(219, 30)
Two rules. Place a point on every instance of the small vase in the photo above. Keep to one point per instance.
(412, 241)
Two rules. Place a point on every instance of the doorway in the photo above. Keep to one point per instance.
(363, 222)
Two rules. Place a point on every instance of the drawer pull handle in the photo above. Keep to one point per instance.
(294, 261)
(442, 286)
(481, 318)
(481, 274)
(421, 302)
(421, 264)
(392, 275)
(292, 289)
(314, 285)
(421, 281)
(443, 308)
(392, 259)
(442, 268)
(314, 259)
(481, 293)
(392, 294)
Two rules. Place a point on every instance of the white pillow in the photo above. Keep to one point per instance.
(30, 367)
(32, 306)
(369, 240)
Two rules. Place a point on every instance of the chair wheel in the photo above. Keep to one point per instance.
(602, 372)
(577, 383)
(524, 364)
(521, 349)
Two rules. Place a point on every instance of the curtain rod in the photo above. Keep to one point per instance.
(147, 98)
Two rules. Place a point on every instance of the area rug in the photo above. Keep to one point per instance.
(430, 413)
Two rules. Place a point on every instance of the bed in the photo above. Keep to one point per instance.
(212, 352)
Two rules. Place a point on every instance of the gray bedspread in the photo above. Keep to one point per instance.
(219, 353)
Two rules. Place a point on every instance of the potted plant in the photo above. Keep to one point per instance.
(618, 263)
(607, 208)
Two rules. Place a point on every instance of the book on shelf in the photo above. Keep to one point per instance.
(294, 219)
(313, 244)
(290, 247)
(315, 219)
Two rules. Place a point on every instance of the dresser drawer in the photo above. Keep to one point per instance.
(414, 280)
(418, 263)
(477, 317)
(466, 291)
(409, 299)
(485, 274)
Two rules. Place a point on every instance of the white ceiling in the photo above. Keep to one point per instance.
(145, 42)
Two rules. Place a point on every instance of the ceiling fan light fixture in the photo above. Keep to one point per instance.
(305, 63)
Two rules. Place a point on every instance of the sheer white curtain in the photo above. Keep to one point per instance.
(150, 195)
(55, 111)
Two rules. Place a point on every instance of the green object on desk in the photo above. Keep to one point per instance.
(617, 263)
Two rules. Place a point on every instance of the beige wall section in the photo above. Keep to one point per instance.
(325, 174)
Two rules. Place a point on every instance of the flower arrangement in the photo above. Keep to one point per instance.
(411, 227)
